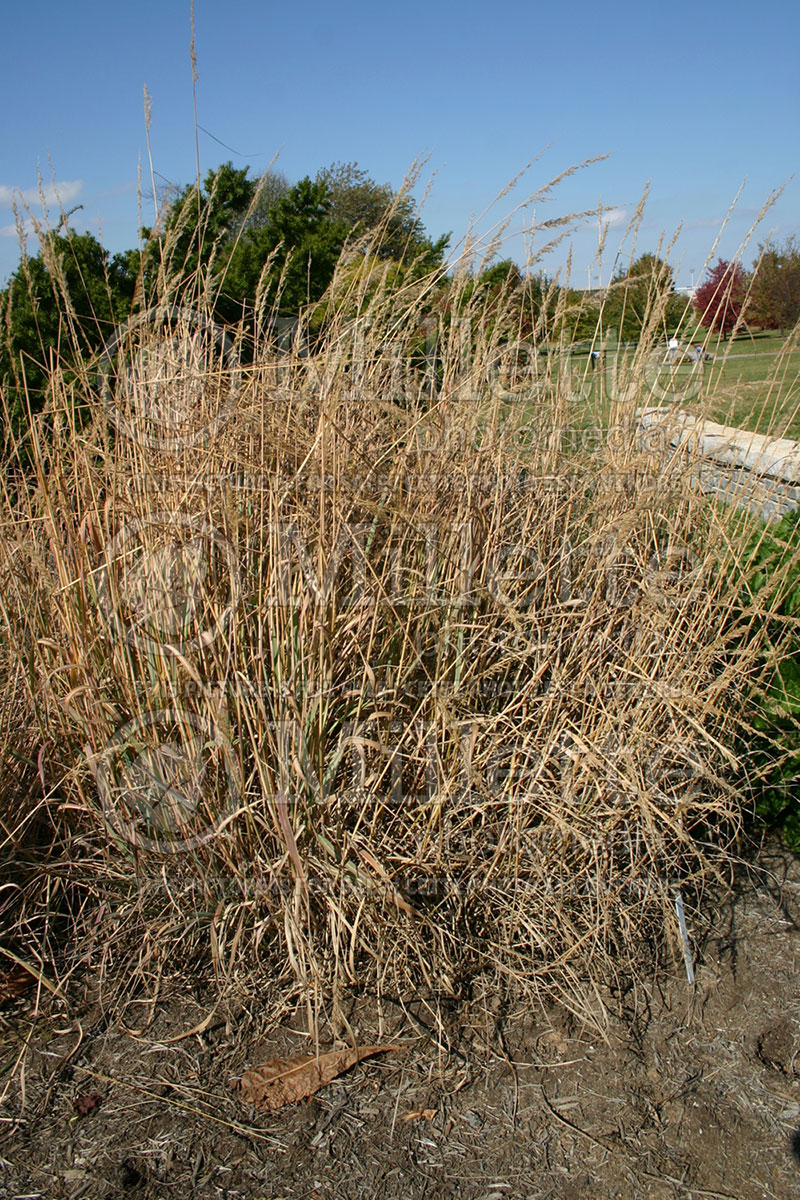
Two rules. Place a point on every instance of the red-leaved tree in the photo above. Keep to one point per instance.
(718, 301)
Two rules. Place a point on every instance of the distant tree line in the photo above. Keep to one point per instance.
(765, 297)
(251, 250)
(227, 244)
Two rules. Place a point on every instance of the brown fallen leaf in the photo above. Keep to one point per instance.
(286, 1080)
(14, 982)
(420, 1114)
(85, 1103)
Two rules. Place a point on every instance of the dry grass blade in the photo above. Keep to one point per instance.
(387, 659)
(286, 1080)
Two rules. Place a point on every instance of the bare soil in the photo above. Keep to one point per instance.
(684, 1092)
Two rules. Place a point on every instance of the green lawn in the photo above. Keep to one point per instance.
(752, 382)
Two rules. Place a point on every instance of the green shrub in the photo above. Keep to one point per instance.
(772, 752)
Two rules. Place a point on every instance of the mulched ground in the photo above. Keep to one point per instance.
(683, 1094)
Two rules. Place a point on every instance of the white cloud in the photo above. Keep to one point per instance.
(56, 194)
(11, 231)
(614, 216)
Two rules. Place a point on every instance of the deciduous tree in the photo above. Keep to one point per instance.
(720, 298)
(642, 298)
(775, 294)
(366, 207)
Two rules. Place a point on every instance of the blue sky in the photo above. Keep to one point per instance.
(694, 99)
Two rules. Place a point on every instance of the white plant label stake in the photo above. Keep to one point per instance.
(687, 950)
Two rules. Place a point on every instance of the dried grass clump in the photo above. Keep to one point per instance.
(371, 661)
